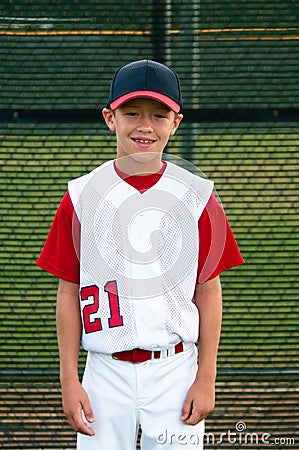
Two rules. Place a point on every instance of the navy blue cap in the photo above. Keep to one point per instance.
(146, 79)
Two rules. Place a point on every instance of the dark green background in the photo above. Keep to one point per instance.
(237, 54)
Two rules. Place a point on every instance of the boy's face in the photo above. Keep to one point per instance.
(143, 127)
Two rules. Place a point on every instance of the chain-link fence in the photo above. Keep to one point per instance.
(238, 63)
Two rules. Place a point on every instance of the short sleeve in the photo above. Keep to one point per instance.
(218, 249)
(60, 254)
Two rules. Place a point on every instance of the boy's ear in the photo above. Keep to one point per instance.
(109, 118)
(176, 123)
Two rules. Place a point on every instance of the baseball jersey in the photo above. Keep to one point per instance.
(138, 253)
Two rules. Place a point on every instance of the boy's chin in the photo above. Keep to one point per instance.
(140, 163)
(145, 157)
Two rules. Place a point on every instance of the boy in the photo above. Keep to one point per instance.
(138, 245)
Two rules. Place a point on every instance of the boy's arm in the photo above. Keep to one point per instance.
(74, 397)
(200, 399)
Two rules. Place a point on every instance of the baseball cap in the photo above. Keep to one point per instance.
(146, 79)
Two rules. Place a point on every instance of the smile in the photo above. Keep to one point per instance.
(143, 141)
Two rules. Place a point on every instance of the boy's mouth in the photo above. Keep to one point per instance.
(143, 140)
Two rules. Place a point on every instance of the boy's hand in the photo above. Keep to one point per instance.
(74, 401)
(199, 402)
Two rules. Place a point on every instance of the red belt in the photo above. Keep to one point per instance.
(137, 355)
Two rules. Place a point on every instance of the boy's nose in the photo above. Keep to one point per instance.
(145, 128)
(145, 125)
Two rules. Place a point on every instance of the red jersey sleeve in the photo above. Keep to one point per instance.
(60, 254)
(218, 249)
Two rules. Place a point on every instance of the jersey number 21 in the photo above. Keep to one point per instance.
(94, 324)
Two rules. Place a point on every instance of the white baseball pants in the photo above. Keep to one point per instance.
(124, 395)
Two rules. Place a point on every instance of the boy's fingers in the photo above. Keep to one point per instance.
(79, 425)
(190, 415)
(193, 419)
(186, 410)
(88, 414)
(80, 415)
(87, 410)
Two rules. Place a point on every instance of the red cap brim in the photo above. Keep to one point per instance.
(171, 104)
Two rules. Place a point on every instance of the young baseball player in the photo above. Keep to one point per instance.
(138, 245)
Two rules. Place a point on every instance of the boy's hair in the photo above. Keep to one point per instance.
(146, 79)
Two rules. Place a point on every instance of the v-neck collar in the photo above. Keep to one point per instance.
(140, 183)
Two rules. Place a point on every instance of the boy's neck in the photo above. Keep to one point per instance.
(139, 167)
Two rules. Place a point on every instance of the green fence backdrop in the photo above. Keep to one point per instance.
(239, 66)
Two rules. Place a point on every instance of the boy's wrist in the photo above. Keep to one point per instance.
(207, 375)
(64, 381)
(68, 376)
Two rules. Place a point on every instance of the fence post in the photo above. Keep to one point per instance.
(161, 22)
(188, 63)
(159, 30)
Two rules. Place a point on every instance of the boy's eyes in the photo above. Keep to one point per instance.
(135, 113)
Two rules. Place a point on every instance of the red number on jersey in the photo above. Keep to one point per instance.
(94, 324)
(116, 320)
(91, 325)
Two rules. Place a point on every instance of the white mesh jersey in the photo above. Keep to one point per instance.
(138, 258)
